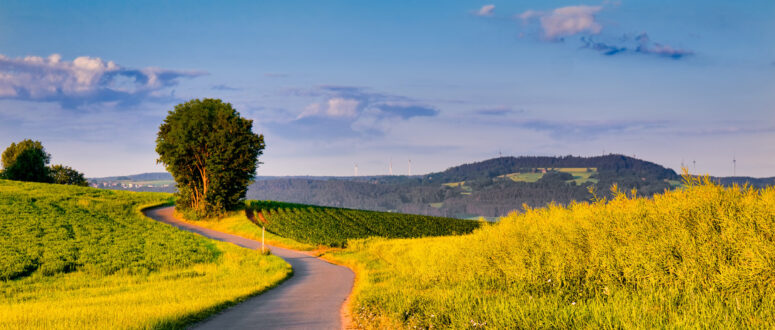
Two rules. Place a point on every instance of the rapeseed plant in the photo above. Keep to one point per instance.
(700, 256)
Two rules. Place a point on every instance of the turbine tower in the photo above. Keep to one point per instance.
(734, 166)
(356, 169)
(410, 167)
(390, 167)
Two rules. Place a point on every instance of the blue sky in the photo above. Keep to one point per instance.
(332, 84)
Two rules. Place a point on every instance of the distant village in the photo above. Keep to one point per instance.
(117, 185)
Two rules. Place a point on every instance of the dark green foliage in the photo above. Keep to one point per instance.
(211, 152)
(26, 161)
(50, 229)
(334, 226)
(608, 165)
(61, 174)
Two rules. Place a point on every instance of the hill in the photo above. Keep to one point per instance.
(742, 180)
(75, 257)
(695, 257)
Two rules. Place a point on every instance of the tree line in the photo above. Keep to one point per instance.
(28, 160)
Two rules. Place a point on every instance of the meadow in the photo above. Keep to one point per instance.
(333, 227)
(580, 175)
(697, 257)
(75, 257)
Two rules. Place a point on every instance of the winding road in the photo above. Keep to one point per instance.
(312, 298)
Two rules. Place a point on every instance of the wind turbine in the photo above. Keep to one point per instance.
(410, 167)
(734, 166)
(356, 169)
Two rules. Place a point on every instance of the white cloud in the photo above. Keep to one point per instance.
(486, 10)
(566, 21)
(337, 107)
(82, 80)
(342, 107)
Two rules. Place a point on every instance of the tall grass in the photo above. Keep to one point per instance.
(702, 256)
(75, 257)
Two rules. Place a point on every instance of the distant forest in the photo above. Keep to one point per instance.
(490, 188)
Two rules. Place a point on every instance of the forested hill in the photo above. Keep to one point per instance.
(608, 164)
(743, 180)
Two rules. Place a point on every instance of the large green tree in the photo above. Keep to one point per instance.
(212, 153)
(26, 161)
(61, 174)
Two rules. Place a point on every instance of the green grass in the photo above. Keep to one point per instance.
(75, 257)
(524, 177)
(580, 174)
(698, 257)
(334, 226)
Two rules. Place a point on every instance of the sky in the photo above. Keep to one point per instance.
(335, 84)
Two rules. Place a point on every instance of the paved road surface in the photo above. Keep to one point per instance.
(311, 299)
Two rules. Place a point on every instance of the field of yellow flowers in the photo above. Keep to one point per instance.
(700, 256)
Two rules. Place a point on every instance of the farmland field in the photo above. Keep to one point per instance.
(74, 257)
(334, 226)
(581, 175)
(696, 257)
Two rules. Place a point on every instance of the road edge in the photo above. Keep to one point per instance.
(345, 313)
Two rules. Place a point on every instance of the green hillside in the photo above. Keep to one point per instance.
(697, 257)
(74, 257)
(334, 226)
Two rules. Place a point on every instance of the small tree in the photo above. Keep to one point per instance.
(211, 152)
(61, 174)
(26, 161)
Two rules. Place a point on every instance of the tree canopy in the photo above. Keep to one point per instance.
(26, 161)
(211, 152)
(61, 174)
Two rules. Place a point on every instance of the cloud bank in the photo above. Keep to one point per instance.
(346, 111)
(560, 23)
(84, 80)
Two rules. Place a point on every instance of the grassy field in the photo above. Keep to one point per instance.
(335, 226)
(580, 174)
(73, 257)
(698, 257)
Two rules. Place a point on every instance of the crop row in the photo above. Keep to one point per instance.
(334, 226)
(50, 229)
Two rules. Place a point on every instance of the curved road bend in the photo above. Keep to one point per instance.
(310, 299)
